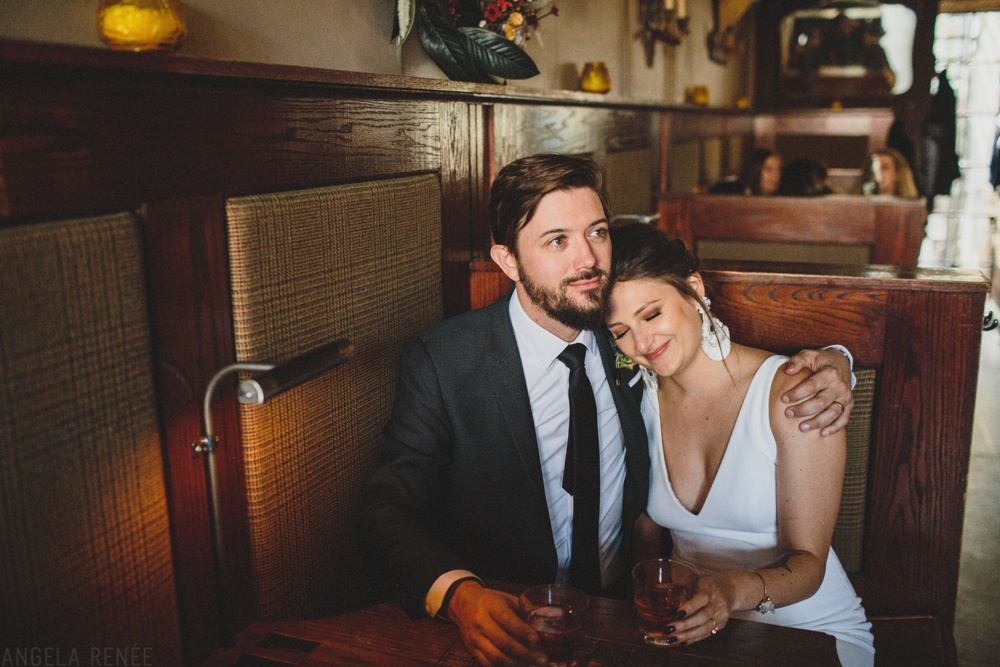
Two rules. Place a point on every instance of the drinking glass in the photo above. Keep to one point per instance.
(660, 586)
(556, 614)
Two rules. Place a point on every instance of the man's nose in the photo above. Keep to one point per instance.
(585, 257)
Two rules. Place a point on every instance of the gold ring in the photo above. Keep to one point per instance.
(716, 628)
(842, 408)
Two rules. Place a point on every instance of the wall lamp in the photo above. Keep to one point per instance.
(271, 381)
(662, 20)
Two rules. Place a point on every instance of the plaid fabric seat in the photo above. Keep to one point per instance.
(85, 553)
(362, 262)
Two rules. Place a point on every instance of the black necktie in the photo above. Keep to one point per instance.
(582, 473)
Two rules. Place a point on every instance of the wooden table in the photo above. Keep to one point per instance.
(384, 635)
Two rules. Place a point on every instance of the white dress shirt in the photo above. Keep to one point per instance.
(547, 380)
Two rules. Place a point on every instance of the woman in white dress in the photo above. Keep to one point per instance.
(749, 498)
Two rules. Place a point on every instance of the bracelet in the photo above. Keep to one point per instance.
(765, 605)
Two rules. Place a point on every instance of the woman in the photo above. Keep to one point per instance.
(761, 176)
(762, 173)
(748, 498)
(889, 174)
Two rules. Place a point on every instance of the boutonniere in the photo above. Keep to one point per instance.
(622, 360)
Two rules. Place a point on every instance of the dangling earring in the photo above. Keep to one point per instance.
(716, 344)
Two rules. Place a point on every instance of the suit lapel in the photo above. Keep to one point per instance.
(506, 375)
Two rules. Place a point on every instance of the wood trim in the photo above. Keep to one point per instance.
(190, 308)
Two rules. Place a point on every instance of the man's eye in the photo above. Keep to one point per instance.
(600, 232)
(557, 241)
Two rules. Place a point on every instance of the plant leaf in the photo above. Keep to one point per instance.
(497, 55)
(402, 22)
(446, 47)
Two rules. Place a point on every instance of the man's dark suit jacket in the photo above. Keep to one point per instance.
(459, 481)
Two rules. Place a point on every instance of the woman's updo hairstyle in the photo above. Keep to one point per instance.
(640, 250)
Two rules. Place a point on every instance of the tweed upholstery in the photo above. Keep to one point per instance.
(84, 535)
(848, 534)
(359, 261)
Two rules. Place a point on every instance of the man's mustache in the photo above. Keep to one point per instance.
(589, 274)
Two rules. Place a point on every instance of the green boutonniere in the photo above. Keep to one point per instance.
(623, 361)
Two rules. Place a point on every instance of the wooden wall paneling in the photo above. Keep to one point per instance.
(187, 268)
(461, 172)
(90, 132)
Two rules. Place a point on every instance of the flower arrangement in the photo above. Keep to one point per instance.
(474, 40)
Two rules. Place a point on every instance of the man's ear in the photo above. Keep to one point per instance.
(505, 259)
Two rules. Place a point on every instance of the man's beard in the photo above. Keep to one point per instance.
(557, 305)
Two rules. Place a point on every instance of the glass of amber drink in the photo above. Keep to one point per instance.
(556, 614)
(660, 586)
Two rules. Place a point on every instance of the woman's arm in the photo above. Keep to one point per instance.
(809, 479)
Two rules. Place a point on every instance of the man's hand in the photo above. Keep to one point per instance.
(490, 627)
(828, 390)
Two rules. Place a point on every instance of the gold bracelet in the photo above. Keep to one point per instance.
(765, 605)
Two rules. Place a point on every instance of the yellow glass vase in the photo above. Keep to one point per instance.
(141, 25)
(595, 78)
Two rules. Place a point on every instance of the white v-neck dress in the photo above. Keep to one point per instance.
(737, 528)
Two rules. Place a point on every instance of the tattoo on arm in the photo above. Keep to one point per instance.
(783, 561)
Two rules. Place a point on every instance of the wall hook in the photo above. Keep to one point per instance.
(989, 322)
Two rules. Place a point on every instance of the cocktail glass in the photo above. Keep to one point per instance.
(556, 613)
(660, 586)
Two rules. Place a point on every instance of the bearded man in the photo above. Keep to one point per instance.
(474, 478)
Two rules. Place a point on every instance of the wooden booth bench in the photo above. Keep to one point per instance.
(833, 229)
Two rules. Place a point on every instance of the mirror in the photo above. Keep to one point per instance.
(848, 49)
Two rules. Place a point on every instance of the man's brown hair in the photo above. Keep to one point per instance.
(520, 186)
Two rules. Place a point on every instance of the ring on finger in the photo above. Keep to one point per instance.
(842, 408)
(716, 628)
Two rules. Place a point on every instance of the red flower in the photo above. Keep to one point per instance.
(505, 4)
(492, 13)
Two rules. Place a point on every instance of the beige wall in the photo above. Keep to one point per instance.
(354, 35)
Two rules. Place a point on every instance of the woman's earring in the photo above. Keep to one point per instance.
(716, 344)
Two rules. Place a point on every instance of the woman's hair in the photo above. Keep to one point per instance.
(804, 177)
(906, 186)
(753, 167)
(521, 185)
(640, 250)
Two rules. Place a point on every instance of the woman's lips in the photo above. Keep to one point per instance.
(655, 354)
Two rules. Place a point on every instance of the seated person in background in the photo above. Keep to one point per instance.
(749, 499)
(761, 176)
(804, 177)
(889, 174)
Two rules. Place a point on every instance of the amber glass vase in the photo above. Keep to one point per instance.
(595, 78)
(141, 25)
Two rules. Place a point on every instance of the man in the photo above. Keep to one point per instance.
(471, 480)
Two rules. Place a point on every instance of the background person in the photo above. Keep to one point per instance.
(750, 500)
(761, 176)
(889, 174)
(804, 177)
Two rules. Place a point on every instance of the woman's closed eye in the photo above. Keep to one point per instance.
(618, 335)
(651, 316)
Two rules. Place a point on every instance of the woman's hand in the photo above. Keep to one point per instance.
(708, 610)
